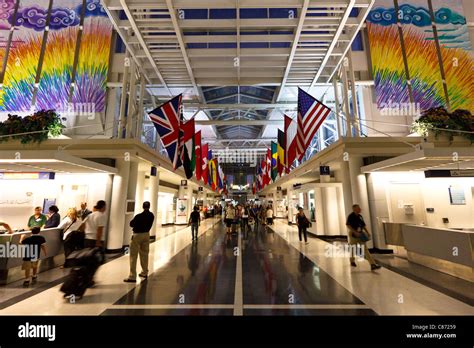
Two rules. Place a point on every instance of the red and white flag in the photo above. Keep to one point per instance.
(311, 115)
(290, 142)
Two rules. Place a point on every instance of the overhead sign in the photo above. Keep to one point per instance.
(463, 173)
(443, 173)
(27, 176)
(324, 170)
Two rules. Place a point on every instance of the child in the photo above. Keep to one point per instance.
(31, 261)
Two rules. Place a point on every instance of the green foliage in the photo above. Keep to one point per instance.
(439, 119)
(38, 127)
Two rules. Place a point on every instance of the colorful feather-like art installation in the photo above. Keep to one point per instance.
(55, 83)
(421, 54)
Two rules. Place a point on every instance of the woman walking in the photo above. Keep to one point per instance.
(303, 224)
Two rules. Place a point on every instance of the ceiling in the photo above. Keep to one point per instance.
(425, 159)
(245, 57)
(50, 161)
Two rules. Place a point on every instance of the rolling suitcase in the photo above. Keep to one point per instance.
(84, 264)
(77, 282)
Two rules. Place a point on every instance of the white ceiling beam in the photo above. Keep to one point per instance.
(142, 43)
(362, 17)
(302, 16)
(334, 41)
(231, 23)
(236, 122)
(233, 38)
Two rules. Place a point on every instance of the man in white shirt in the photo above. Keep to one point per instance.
(94, 226)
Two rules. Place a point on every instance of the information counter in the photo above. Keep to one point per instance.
(11, 261)
(445, 250)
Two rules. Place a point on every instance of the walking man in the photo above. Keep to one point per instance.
(359, 235)
(195, 221)
(140, 242)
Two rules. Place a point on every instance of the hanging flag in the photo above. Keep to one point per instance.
(290, 142)
(263, 174)
(311, 114)
(205, 163)
(166, 118)
(188, 154)
(254, 186)
(281, 152)
(213, 174)
(274, 159)
(209, 173)
(269, 166)
(220, 184)
(197, 142)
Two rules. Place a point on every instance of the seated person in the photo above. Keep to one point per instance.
(32, 254)
(6, 226)
(54, 217)
(37, 219)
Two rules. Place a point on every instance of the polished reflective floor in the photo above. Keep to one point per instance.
(256, 272)
(275, 279)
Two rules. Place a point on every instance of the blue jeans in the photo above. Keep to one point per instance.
(194, 229)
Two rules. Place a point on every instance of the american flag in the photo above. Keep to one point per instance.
(311, 114)
(166, 119)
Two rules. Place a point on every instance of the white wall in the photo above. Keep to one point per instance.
(434, 193)
(19, 197)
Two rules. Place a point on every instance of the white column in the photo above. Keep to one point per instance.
(118, 205)
(341, 210)
(154, 184)
(112, 101)
(131, 193)
(320, 212)
(343, 177)
(359, 189)
(289, 195)
(338, 109)
(140, 192)
(355, 105)
(345, 96)
(132, 101)
(123, 99)
(140, 112)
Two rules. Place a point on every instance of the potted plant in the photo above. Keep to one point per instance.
(31, 129)
(440, 125)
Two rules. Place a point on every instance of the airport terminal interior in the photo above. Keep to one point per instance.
(299, 157)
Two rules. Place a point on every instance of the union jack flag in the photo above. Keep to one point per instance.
(311, 115)
(167, 118)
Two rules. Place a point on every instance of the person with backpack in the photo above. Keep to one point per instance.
(303, 224)
(194, 221)
(73, 237)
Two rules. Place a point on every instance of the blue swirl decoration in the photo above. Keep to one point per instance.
(417, 16)
(93, 9)
(447, 16)
(63, 18)
(31, 17)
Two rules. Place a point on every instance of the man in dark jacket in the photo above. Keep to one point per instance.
(140, 242)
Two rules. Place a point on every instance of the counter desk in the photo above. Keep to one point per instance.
(445, 250)
(10, 263)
